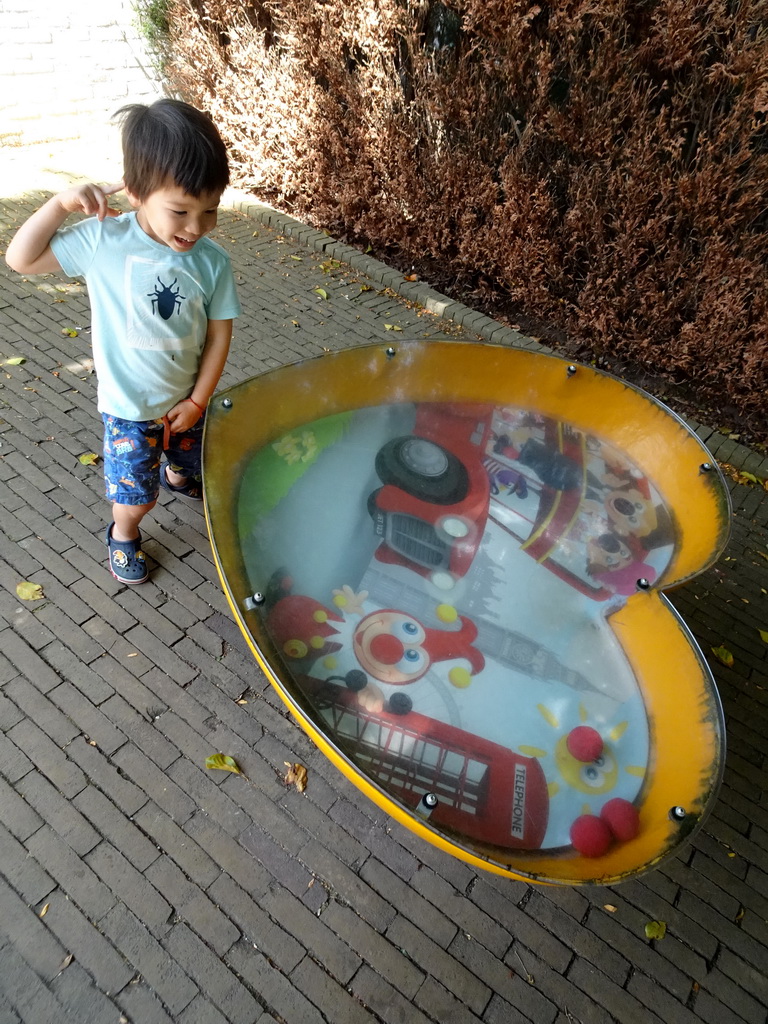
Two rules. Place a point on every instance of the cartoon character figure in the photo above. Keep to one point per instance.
(395, 648)
(554, 469)
(630, 511)
(624, 525)
(388, 645)
(623, 496)
(592, 764)
(502, 477)
(612, 561)
(303, 628)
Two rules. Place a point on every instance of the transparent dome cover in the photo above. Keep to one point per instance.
(449, 560)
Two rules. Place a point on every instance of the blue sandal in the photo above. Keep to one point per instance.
(191, 489)
(126, 559)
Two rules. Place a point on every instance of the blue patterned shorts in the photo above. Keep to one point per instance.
(132, 453)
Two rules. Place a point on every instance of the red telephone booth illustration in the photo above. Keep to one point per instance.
(483, 790)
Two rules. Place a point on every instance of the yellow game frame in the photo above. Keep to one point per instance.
(675, 681)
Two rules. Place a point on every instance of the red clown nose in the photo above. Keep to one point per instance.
(386, 649)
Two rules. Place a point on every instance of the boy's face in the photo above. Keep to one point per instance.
(174, 218)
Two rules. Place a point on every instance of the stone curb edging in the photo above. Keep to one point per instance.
(723, 448)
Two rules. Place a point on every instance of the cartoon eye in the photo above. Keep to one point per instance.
(409, 630)
(593, 775)
(413, 661)
(639, 506)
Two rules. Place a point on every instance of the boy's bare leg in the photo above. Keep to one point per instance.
(127, 519)
(175, 479)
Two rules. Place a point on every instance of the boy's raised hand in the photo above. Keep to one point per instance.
(90, 199)
(29, 251)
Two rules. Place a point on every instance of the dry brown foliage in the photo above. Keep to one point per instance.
(603, 162)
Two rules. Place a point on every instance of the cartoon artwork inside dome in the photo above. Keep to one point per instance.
(455, 642)
(442, 588)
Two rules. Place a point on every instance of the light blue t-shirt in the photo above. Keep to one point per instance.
(150, 308)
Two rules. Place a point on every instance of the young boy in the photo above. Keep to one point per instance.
(162, 301)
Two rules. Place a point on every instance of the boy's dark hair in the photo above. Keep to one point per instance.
(171, 140)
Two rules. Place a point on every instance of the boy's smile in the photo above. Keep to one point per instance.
(174, 218)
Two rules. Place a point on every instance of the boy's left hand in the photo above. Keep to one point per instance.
(183, 416)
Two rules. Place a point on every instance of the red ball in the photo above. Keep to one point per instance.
(590, 835)
(584, 743)
(622, 819)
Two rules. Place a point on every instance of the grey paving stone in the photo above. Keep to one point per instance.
(442, 966)
(432, 921)
(142, 950)
(72, 875)
(24, 991)
(31, 938)
(58, 812)
(616, 1000)
(228, 854)
(384, 956)
(114, 825)
(333, 1000)
(18, 817)
(192, 905)
(84, 1001)
(282, 997)
(219, 983)
(14, 763)
(190, 857)
(376, 993)
(205, 794)
(347, 885)
(276, 941)
(200, 1011)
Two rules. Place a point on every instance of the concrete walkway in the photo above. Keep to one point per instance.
(135, 886)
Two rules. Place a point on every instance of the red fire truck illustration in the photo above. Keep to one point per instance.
(433, 505)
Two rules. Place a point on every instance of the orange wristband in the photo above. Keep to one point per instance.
(202, 410)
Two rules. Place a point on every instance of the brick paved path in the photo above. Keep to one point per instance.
(135, 886)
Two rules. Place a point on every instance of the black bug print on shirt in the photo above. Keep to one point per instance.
(165, 299)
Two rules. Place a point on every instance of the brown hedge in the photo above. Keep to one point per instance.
(602, 163)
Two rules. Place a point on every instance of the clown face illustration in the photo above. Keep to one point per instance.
(389, 647)
(393, 647)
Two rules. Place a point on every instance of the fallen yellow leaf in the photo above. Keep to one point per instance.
(223, 762)
(28, 591)
(296, 775)
(723, 655)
